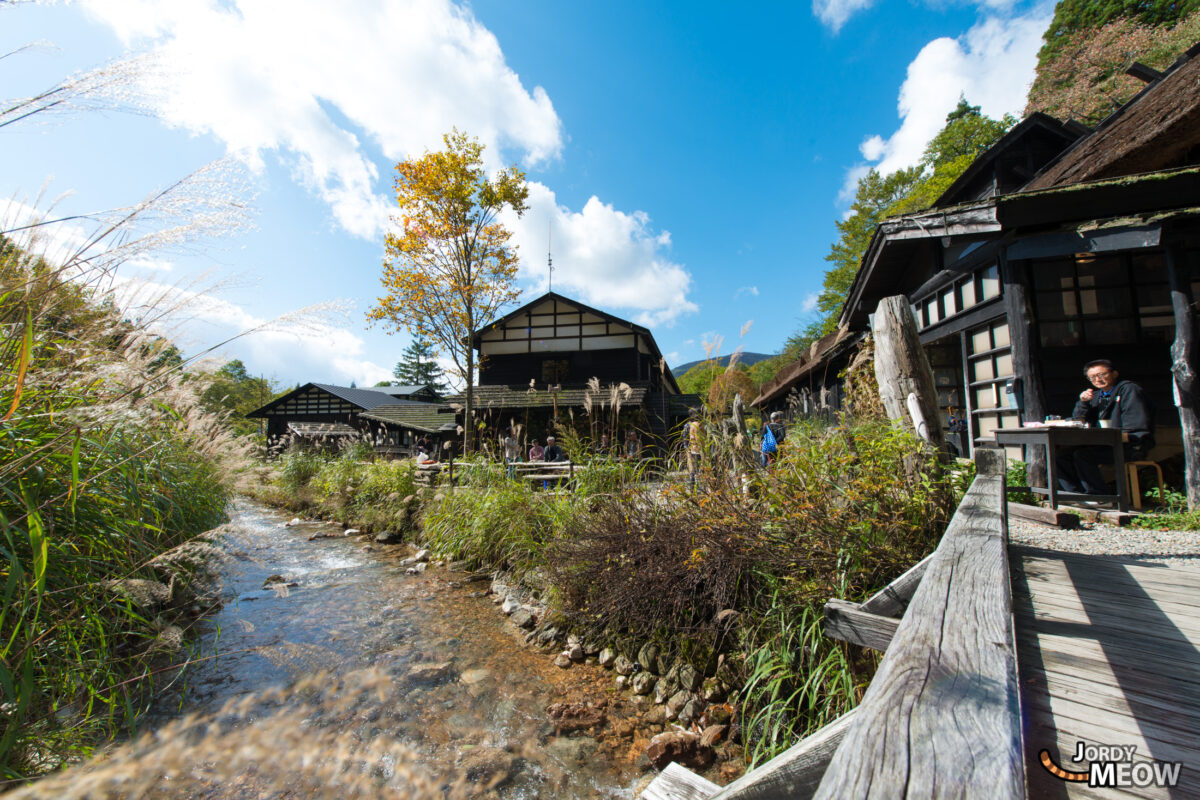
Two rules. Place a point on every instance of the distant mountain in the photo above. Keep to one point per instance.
(743, 358)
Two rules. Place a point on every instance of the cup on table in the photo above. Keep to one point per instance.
(1105, 423)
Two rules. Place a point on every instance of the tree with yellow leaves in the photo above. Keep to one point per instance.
(448, 267)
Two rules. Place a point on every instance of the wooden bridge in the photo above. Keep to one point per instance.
(1001, 665)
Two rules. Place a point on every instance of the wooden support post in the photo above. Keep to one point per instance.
(1183, 370)
(1018, 306)
(901, 367)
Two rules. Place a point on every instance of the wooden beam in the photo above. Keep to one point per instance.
(1022, 332)
(942, 715)
(1143, 73)
(1183, 370)
(891, 600)
(847, 622)
(1046, 516)
(678, 783)
(796, 772)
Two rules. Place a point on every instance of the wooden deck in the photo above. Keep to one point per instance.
(1108, 652)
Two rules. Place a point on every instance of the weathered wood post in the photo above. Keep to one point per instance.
(1026, 365)
(901, 367)
(1183, 371)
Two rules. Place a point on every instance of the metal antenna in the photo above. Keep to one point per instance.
(549, 261)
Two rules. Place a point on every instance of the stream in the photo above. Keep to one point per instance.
(461, 678)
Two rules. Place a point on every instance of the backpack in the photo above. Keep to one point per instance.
(769, 445)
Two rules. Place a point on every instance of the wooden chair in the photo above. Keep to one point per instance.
(1131, 471)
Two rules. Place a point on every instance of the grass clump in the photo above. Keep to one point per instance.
(1172, 514)
(106, 462)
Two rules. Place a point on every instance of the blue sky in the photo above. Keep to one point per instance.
(690, 159)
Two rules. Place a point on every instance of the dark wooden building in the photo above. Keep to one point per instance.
(1058, 246)
(810, 385)
(538, 360)
(324, 414)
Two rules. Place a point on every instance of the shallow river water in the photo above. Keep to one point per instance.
(353, 608)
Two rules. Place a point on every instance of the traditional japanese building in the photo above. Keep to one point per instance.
(324, 414)
(1058, 246)
(555, 356)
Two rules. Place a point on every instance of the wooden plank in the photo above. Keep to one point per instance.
(847, 622)
(891, 600)
(1133, 660)
(1166, 696)
(1047, 516)
(678, 783)
(1130, 617)
(796, 772)
(1134, 598)
(942, 715)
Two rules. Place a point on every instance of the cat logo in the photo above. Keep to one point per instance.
(1112, 766)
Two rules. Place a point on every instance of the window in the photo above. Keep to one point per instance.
(1091, 299)
(967, 291)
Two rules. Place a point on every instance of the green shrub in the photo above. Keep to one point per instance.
(298, 466)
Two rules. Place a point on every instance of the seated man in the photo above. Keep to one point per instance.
(553, 451)
(1125, 405)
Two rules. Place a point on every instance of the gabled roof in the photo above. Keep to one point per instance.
(362, 398)
(1014, 158)
(638, 329)
(403, 391)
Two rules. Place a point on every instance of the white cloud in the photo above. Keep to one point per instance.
(266, 76)
(607, 258)
(992, 65)
(310, 342)
(746, 290)
(809, 304)
(834, 13)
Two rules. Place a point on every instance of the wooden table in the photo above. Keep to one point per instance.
(1054, 436)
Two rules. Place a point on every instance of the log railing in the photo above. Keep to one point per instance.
(941, 717)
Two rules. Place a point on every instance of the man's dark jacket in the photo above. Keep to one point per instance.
(555, 453)
(1129, 409)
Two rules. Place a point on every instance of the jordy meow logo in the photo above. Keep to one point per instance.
(1112, 766)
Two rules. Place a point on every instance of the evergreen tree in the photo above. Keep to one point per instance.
(418, 366)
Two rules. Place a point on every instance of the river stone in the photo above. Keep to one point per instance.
(671, 679)
(366, 548)
(661, 691)
(573, 640)
(607, 657)
(489, 765)
(571, 717)
(715, 690)
(422, 555)
(690, 678)
(523, 618)
(676, 703)
(591, 648)
(352, 532)
(429, 672)
(474, 676)
(293, 522)
(563, 661)
(499, 588)
(147, 595)
(682, 747)
(509, 606)
(547, 635)
(575, 653)
(691, 710)
(389, 537)
(648, 657)
(643, 683)
(623, 665)
(622, 681)
(719, 715)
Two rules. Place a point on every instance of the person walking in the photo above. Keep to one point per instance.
(774, 433)
(511, 449)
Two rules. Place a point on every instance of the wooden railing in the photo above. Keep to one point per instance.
(941, 717)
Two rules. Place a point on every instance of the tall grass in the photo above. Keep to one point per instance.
(106, 461)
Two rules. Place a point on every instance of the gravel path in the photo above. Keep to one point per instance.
(1177, 548)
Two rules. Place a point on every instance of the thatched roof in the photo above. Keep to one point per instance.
(321, 430)
(1154, 131)
(819, 352)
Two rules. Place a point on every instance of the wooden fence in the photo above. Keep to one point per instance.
(942, 716)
